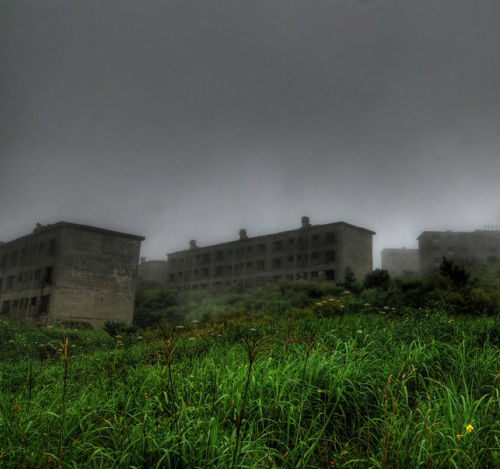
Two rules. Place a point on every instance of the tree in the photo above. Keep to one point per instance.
(458, 276)
(378, 279)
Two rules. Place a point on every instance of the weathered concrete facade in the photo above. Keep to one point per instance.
(153, 272)
(70, 272)
(467, 248)
(320, 252)
(399, 262)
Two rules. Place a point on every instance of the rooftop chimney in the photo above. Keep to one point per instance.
(243, 234)
(305, 222)
(192, 244)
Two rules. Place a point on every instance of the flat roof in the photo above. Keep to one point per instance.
(449, 232)
(261, 237)
(78, 226)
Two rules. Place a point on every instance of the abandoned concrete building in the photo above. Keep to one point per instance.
(316, 252)
(70, 273)
(467, 248)
(400, 262)
(153, 272)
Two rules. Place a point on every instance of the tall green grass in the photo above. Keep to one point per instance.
(360, 390)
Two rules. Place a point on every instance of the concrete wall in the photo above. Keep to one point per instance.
(479, 247)
(399, 262)
(154, 272)
(96, 278)
(320, 252)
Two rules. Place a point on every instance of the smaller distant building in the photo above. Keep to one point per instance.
(466, 248)
(399, 262)
(153, 271)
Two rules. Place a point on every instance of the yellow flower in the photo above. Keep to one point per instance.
(469, 428)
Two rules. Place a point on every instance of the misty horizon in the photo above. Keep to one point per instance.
(187, 120)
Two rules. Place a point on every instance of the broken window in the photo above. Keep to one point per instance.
(6, 307)
(44, 304)
(329, 256)
(47, 278)
(331, 237)
(330, 274)
(52, 246)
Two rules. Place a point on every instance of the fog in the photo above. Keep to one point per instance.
(187, 120)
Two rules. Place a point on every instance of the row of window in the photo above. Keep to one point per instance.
(278, 262)
(314, 275)
(28, 279)
(277, 246)
(29, 251)
(34, 304)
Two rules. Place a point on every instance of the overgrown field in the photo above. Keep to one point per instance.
(295, 387)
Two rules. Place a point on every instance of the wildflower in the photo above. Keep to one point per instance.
(331, 463)
(331, 299)
(359, 331)
(469, 428)
(140, 338)
(191, 338)
(179, 327)
(318, 303)
(118, 336)
(459, 436)
(366, 304)
(253, 329)
(146, 394)
(346, 292)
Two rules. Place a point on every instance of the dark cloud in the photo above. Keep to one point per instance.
(186, 119)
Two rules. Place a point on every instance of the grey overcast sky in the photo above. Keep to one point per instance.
(181, 119)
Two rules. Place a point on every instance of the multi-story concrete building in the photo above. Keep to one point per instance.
(467, 248)
(153, 272)
(320, 252)
(399, 262)
(70, 273)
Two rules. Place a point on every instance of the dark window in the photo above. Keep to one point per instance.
(315, 256)
(13, 258)
(249, 264)
(262, 248)
(10, 282)
(37, 275)
(33, 301)
(47, 278)
(314, 274)
(218, 270)
(219, 255)
(229, 269)
(249, 248)
(3, 260)
(330, 274)
(330, 256)
(261, 265)
(315, 237)
(6, 307)
(331, 237)
(41, 247)
(291, 241)
(1, 284)
(44, 304)
(278, 245)
(171, 277)
(52, 247)
(206, 257)
(205, 272)
(277, 262)
(290, 259)
(15, 303)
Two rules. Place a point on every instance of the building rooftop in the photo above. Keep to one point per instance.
(270, 235)
(42, 228)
